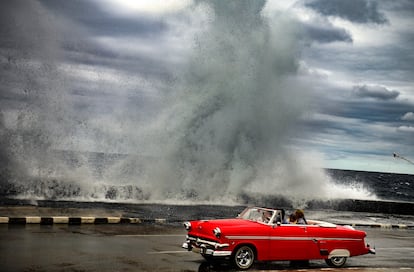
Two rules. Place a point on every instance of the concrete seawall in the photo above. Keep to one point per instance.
(45, 212)
(51, 220)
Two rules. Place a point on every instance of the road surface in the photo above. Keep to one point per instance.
(154, 247)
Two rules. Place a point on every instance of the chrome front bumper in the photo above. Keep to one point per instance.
(207, 248)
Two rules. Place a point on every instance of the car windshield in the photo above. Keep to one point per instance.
(258, 214)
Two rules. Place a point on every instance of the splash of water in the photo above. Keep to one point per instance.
(226, 129)
(35, 110)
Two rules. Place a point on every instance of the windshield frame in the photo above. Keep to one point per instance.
(255, 214)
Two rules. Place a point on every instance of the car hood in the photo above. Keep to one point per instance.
(204, 228)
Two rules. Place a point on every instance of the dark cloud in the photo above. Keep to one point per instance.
(88, 21)
(25, 31)
(375, 91)
(346, 105)
(28, 50)
(80, 25)
(358, 11)
(405, 7)
(379, 111)
(325, 33)
(378, 123)
(378, 63)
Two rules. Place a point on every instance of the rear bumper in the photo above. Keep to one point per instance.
(370, 249)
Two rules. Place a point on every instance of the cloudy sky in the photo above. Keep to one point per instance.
(95, 75)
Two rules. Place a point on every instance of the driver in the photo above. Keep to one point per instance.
(266, 215)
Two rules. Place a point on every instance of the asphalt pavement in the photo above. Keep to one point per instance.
(157, 247)
(153, 243)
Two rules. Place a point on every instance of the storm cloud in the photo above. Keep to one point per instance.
(358, 11)
(325, 32)
(230, 95)
(375, 91)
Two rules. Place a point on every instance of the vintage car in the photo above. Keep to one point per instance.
(263, 234)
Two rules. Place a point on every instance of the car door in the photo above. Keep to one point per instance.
(289, 242)
(320, 244)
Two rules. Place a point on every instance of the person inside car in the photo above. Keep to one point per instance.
(292, 219)
(280, 218)
(266, 215)
(300, 217)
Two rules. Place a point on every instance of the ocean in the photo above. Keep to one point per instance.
(386, 186)
(394, 194)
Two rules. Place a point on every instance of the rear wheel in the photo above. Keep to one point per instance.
(244, 257)
(336, 261)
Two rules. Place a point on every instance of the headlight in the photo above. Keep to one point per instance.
(187, 225)
(217, 232)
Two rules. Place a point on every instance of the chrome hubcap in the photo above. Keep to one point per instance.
(245, 257)
(338, 260)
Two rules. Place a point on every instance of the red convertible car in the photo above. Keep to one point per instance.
(262, 234)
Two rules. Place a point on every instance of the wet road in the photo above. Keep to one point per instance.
(148, 247)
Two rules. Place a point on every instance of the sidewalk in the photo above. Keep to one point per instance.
(71, 216)
(76, 216)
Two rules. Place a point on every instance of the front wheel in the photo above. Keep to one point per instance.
(244, 257)
(336, 261)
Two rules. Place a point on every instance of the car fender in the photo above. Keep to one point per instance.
(239, 245)
(339, 253)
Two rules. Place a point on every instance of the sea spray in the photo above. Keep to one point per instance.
(33, 112)
(225, 131)
(227, 126)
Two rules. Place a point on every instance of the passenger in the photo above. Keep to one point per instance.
(281, 217)
(300, 217)
(292, 219)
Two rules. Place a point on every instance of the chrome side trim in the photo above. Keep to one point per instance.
(291, 238)
(231, 237)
